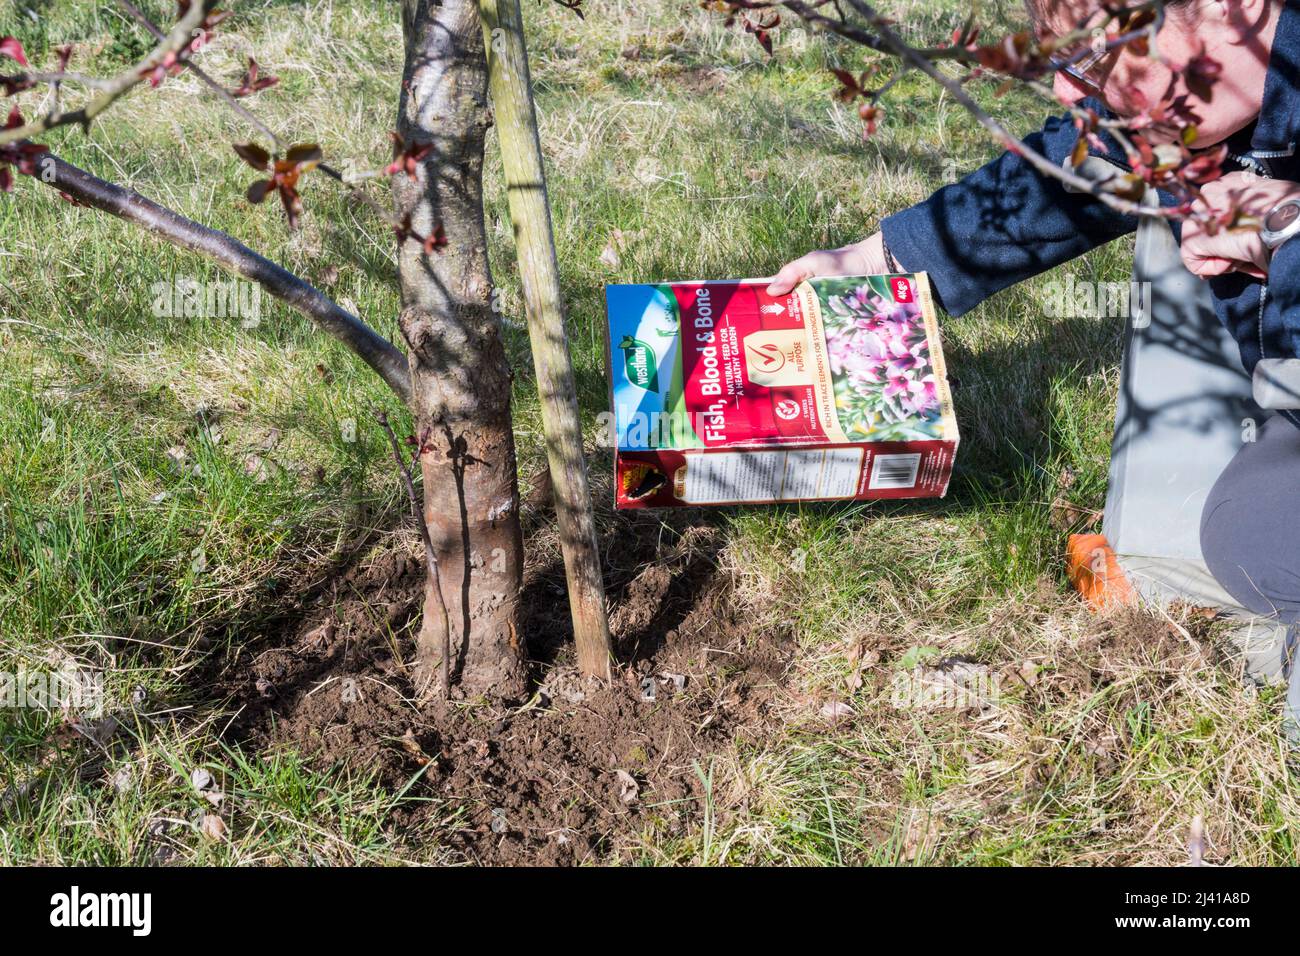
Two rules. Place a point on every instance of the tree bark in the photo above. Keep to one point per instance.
(459, 374)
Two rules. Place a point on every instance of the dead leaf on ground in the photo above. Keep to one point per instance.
(413, 748)
(1066, 515)
(629, 790)
(616, 244)
(319, 635)
(836, 710)
(213, 827)
(922, 833)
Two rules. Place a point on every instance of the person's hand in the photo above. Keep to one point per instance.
(865, 258)
(1233, 250)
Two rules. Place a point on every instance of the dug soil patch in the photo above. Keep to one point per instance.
(579, 772)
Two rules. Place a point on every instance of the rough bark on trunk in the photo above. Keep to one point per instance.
(459, 375)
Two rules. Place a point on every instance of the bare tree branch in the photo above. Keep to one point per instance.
(373, 349)
(1042, 164)
(178, 38)
(877, 35)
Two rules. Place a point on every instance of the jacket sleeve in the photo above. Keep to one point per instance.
(1282, 313)
(1003, 223)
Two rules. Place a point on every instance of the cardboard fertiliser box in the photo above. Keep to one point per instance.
(723, 394)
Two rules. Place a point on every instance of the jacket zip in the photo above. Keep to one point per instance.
(1258, 169)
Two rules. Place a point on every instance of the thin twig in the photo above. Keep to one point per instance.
(371, 347)
(243, 111)
(885, 40)
(248, 116)
(175, 40)
(898, 47)
(431, 558)
(22, 79)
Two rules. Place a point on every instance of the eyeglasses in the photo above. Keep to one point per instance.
(1084, 69)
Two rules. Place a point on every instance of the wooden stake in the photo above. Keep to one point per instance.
(521, 152)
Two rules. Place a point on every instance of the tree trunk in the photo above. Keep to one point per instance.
(459, 375)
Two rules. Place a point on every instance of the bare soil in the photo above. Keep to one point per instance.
(574, 774)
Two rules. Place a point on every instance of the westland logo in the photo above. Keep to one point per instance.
(134, 910)
(641, 363)
(767, 357)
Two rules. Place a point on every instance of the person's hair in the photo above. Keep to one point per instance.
(1056, 15)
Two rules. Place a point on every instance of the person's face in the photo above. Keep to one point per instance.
(1237, 33)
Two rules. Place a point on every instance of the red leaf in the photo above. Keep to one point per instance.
(292, 203)
(436, 240)
(406, 158)
(254, 155)
(10, 47)
(761, 30)
(257, 192)
(252, 83)
(1206, 167)
(871, 116)
(849, 88)
(305, 156)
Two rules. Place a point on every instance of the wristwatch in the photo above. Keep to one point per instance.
(1282, 222)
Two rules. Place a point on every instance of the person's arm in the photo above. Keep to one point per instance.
(1003, 223)
(1000, 224)
(1230, 259)
(865, 258)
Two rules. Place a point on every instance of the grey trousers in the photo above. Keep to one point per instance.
(1250, 527)
(1183, 461)
(1183, 450)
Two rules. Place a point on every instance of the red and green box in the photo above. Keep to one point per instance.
(723, 394)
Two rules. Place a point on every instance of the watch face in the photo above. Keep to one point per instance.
(1280, 219)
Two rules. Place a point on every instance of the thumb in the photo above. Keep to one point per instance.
(1208, 266)
(789, 277)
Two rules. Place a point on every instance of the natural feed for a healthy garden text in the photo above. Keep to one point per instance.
(723, 394)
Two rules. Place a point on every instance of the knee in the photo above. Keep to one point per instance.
(1223, 548)
(1249, 550)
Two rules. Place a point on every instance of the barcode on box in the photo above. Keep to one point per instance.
(894, 471)
(731, 477)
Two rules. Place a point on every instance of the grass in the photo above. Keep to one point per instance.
(166, 480)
